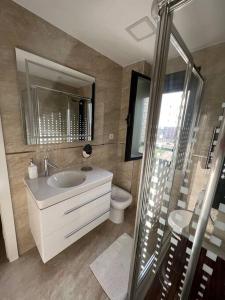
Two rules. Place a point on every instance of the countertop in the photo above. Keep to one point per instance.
(46, 195)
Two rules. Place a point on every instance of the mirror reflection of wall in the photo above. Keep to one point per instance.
(57, 102)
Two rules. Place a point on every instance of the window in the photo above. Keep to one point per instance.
(137, 116)
(168, 125)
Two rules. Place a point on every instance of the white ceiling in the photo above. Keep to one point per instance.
(201, 23)
(101, 24)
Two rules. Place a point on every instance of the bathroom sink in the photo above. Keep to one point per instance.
(66, 179)
(179, 219)
(65, 184)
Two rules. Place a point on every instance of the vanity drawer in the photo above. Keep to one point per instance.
(79, 208)
(60, 240)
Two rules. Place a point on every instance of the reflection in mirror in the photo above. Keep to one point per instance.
(57, 102)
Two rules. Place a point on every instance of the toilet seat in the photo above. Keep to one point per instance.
(120, 199)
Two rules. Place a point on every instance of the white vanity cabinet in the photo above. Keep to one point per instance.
(59, 225)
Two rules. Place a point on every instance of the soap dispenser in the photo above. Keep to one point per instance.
(32, 170)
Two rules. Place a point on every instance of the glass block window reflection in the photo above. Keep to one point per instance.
(62, 117)
(57, 102)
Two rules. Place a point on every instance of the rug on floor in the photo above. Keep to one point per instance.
(112, 267)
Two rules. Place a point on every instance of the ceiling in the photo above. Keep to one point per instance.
(101, 24)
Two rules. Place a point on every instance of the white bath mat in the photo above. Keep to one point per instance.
(112, 267)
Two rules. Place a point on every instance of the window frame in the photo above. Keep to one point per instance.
(131, 112)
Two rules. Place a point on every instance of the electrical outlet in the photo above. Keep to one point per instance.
(111, 136)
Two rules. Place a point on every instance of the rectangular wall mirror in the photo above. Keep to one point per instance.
(57, 102)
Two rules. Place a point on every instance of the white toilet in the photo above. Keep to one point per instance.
(120, 199)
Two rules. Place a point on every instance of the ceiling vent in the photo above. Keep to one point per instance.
(142, 29)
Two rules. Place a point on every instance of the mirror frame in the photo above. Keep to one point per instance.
(23, 57)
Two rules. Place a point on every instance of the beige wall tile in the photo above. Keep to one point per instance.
(212, 62)
(20, 28)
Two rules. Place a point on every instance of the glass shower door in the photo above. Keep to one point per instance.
(159, 177)
(179, 235)
(166, 177)
(166, 198)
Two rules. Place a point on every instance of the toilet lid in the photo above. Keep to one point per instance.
(119, 195)
(120, 199)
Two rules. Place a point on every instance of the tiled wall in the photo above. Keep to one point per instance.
(212, 63)
(128, 173)
(22, 29)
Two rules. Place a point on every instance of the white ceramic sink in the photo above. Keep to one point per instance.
(65, 184)
(179, 219)
(66, 179)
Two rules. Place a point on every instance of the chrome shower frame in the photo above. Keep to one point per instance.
(166, 32)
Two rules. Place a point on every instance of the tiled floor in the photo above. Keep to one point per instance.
(67, 276)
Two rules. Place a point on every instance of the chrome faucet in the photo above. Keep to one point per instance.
(48, 164)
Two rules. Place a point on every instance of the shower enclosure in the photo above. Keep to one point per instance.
(178, 236)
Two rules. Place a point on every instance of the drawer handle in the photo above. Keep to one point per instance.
(77, 207)
(79, 228)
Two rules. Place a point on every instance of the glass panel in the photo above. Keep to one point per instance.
(166, 238)
(153, 224)
(181, 203)
(209, 278)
